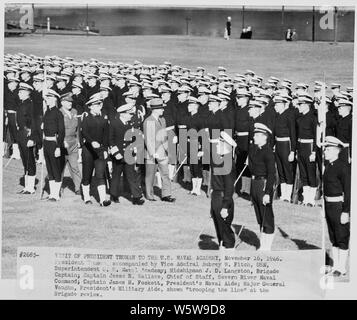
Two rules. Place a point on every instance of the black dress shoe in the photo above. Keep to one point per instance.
(78, 193)
(88, 202)
(105, 203)
(52, 199)
(21, 191)
(138, 201)
(28, 192)
(168, 199)
(336, 273)
(114, 199)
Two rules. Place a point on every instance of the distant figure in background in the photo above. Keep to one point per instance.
(246, 33)
(227, 32)
(294, 36)
(289, 35)
(249, 32)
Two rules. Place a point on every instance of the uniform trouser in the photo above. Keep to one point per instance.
(285, 167)
(53, 164)
(223, 226)
(27, 154)
(12, 127)
(339, 233)
(307, 168)
(72, 160)
(91, 161)
(150, 171)
(196, 169)
(319, 160)
(132, 177)
(264, 214)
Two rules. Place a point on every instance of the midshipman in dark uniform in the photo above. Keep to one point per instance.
(94, 150)
(285, 145)
(306, 148)
(262, 167)
(337, 194)
(54, 133)
(344, 127)
(222, 184)
(25, 136)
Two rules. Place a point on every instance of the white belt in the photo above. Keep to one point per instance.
(11, 111)
(181, 126)
(282, 138)
(242, 134)
(334, 199)
(50, 138)
(306, 140)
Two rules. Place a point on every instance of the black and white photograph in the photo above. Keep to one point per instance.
(169, 127)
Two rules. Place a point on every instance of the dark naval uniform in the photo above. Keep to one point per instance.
(118, 145)
(285, 142)
(337, 191)
(94, 128)
(54, 133)
(26, 130)
(222, 186)
(306, 133)
(11, 101)
(344, 133)
(262, 168)
(242, 123)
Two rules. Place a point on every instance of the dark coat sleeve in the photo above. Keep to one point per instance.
(270, 168)
(345, 178)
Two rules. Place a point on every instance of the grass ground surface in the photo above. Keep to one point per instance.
(26, 221)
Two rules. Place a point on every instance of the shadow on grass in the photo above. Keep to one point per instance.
(301, 244)
(206, 243)
(67, 182)
(246, 235)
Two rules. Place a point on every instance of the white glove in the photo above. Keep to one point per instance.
(30, 143)
(95, 144)
(266, 199)
(291, 156)
(312, 157)
(57, 152)
(175, 140)
(118, 156)
(224, 213)
(345, 218)
(200, 154)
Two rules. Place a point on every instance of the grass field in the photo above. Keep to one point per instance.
(185, 224)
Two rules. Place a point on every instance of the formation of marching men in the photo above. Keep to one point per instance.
(94, 117)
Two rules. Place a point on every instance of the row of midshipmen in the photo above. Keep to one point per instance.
(112, 98)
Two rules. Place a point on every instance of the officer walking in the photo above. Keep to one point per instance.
(71, 141)
(262, 167)
(122, 156)
(337, 194)
(94, 150)
(222, 183)
(156, 142)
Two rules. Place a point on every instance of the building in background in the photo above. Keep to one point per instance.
(268, 23)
